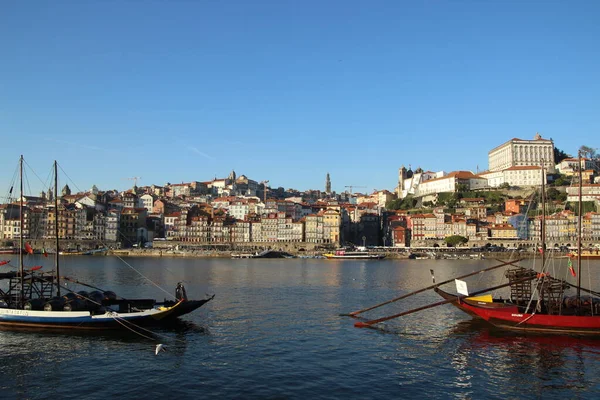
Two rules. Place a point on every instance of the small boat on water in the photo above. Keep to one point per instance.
(353, 255)
(34, 300)
(264, 254)
(84, 252)
(589, 254)
(10, 250)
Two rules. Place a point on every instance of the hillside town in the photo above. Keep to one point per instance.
(493, 207)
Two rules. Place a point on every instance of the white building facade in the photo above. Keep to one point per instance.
(519, 153)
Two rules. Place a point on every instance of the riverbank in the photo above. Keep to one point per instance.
(392, 254)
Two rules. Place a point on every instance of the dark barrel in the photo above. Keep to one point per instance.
(54, 304)
(77, 305)
(110, 295)
(70, 296)
(96, 297)
(34, 304)
(83, 294)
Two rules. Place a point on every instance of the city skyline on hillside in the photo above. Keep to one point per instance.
(279, 92)
(137, 181)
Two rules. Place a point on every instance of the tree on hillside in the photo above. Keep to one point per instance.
(560, 155)
(406, 203)
(588, 152)
(555, 194)
(454, 240)
(562, 180)
(462, 187)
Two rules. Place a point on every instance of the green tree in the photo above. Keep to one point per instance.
(454, 240)
(562, 180)
(462, 188)
(406, 203)
(552, 194)
(560, 155)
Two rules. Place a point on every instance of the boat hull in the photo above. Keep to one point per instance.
(508, 316)
(354, 256)
(84, 320)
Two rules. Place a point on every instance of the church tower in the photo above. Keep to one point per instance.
(401, 178)
(66, 191)
(327, 184)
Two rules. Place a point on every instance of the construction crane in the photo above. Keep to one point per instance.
(265, 190)
(134, 179)
(354, 186)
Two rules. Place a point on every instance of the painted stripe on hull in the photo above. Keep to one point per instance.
(79, 319)
(83, 320)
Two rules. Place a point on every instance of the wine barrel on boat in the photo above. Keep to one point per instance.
(54, 304)
(96, 297)
(94, 300)
(69, 296)
(34, 304)
(110, 295)
(76, 305)
(82, 294)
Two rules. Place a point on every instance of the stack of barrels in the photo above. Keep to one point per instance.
(80, 301)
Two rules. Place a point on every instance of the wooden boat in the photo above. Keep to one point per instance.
(571, 319)
(37, 300)
(538, 302)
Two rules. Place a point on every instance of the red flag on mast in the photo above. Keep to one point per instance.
(571, 270)
(28, 248)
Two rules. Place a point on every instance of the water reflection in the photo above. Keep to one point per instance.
(541, 362)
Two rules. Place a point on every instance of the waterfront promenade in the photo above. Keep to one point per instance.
(391, 253)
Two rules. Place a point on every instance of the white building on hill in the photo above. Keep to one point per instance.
(523, 153)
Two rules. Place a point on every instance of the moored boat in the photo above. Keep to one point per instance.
(356, 255)
(589, 254)
(538, 302)
(38, 300)
(570, 317)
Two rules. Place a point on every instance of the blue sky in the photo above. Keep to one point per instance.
(288, 91)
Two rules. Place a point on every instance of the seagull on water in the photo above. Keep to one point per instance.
(160, 347)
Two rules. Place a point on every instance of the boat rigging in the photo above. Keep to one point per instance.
(36, 299)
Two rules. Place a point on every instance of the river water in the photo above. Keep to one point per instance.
(273, 331)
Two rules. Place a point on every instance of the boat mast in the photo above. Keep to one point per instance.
(56, 228)
(579, 222)
(21, 245)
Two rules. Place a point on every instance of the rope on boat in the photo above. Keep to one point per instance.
(142, 275)
(145, 277)
(590, 285)
(117, 319)
(122, 321)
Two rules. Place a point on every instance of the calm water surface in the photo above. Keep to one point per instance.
(273, 331)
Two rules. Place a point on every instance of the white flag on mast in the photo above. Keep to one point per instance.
(461, 287)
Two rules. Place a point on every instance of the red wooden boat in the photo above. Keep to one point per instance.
(507, 315)
(538, 302)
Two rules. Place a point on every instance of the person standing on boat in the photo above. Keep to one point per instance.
(180, 293)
